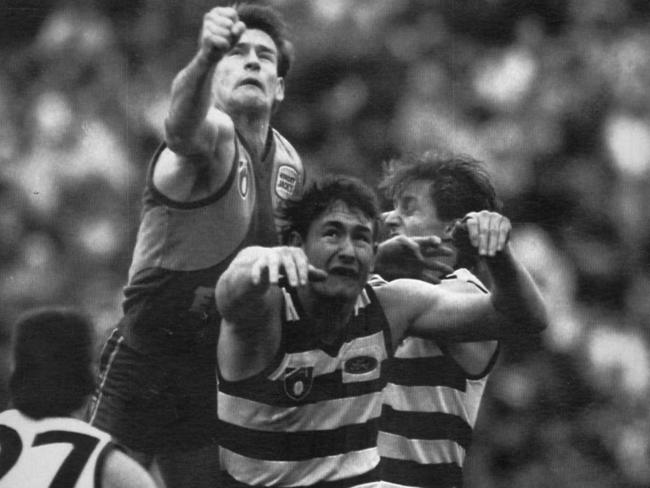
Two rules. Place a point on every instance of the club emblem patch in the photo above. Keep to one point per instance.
(286, 182)
(360, 365)
(243, 178)
(298, 382)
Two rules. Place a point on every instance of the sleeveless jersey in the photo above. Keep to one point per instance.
(311, 418)
(430, 408)
(55, 451)
(183, 247)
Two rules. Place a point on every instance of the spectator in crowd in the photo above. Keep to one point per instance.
(211, 190)
(300, 365)
(435, 387)
(43, 443)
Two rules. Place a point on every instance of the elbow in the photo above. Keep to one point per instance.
(175, 139)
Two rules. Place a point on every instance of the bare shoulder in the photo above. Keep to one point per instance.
(404, 288)
(201, 172)
(121, 471)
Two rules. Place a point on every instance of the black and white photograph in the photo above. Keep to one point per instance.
(324, 244)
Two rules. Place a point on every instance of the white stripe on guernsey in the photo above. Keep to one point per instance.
(363, 300)
(432, 399)
(420, 450)
(325, 415)
(323, 363)
(105, 375)
(291, 473)
(416, 347)
(375, 280)
(291, 314)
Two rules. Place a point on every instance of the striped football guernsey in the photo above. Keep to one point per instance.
(430, 408)
(310, 419)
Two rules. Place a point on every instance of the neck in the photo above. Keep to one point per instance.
(329, 315)
(254, 130)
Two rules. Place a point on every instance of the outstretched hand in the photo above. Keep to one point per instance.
(484, 233)
(283, 265)
(413, 257)
(220, 32)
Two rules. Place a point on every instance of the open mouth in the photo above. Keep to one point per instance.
(251, 82)
(345, 272)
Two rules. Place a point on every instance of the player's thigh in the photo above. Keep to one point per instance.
(133, 401)
(197, 468)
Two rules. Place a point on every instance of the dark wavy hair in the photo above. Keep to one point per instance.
(269, 20)
(53, 362)
(299, 214)
(458, 184)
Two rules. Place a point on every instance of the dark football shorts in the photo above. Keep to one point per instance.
(152, 403)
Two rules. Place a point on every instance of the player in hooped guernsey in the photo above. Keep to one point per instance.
(435, 387)
(43, 444)
(312, 416)
(430, 408)
(301, 366)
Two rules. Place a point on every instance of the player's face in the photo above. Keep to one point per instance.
(341, 242)
(246, 78)
(415, 215)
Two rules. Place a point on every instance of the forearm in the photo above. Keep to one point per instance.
(191, 99)
(238, 299)
(515, 295)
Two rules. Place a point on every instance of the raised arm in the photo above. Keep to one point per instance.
(192, 125)
(249, 300)
(458, 313)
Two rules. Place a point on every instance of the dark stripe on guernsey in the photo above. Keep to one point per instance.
(325, 387)
(427, 371)
(410, 473)
(298, 446)
(426, 425)
(230, 482)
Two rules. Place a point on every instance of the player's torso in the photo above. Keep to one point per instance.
(430, 408)
(312, 417)
(182, 248)
(55, 452)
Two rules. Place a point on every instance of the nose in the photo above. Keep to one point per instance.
(252, 61)
(346, 249)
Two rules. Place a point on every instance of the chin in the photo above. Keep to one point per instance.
(251, 103)
(347, 290)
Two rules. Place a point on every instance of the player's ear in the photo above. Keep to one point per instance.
(279, 90)
(295, 239)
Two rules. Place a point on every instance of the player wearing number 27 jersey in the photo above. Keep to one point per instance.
(58, 452)
(42, 444)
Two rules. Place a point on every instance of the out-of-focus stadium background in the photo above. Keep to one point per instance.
(553, 95)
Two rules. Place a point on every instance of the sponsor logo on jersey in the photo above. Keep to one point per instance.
(243, 178)
(286, 182)
(298, 382)
(360, 365)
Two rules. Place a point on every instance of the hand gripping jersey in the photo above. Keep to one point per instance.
(56, 452)
(310, 418)
(430, 408)
(182, 248)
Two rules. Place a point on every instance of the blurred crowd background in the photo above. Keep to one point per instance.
(554, 96)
